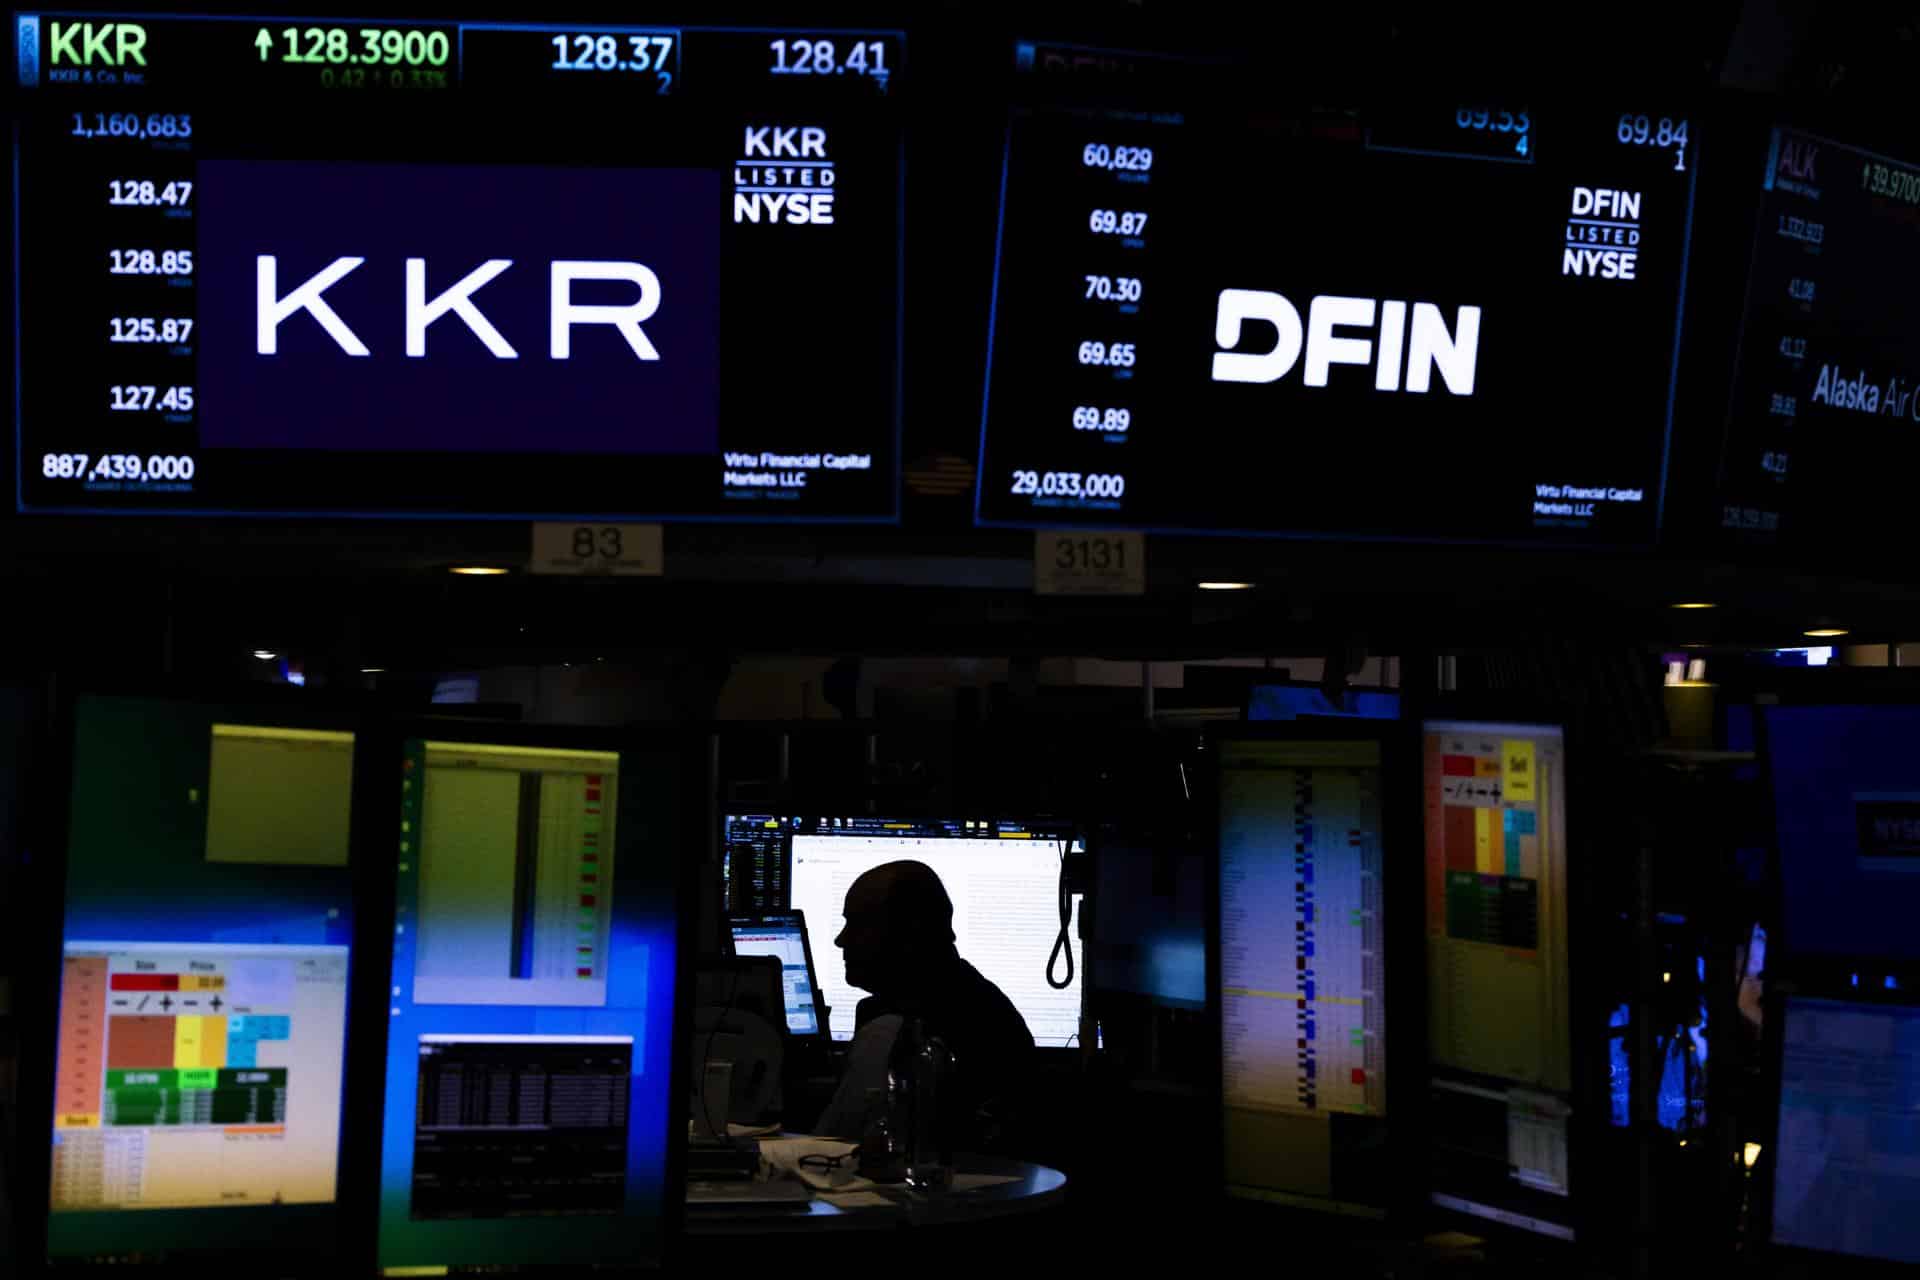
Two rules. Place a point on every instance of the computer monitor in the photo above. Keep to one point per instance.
(1499, 1031)
(1302, 917)
(1845, 1178)
(1306, 701)
(1846, 798)
(783, 935)
(754, 856)
(533, 1099)
(200, 1049)
(1004, 879)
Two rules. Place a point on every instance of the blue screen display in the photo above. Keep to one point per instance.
(1289, 702)
(1845, 1180)
(1846, 789)
(529, 1057)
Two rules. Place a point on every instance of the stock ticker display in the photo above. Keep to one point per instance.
(328, 267)
(1820, 426)
(1467, 311)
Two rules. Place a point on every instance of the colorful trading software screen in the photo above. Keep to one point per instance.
(528, 1054)
(1498, 1026)
(202, 1032)
(324, 265)
(1303, 971)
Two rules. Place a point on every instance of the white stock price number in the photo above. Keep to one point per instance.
(1117, 222)
(1112, 355)
(1088, 417)
(1067, 484)
(1114, 288)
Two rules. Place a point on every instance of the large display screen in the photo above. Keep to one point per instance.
(1499, 1027)
(1846, 799)
(1844, 1176)
(529, 1104)
(1003, 878)
(1823, 427)
(1303, 971)
(199, 1059)
(318, 266)
(1452, 320)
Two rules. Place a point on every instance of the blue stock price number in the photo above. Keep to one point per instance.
(805, 56)
(117, 466)
(1067, 484)
(624, 53)
(1483, 119)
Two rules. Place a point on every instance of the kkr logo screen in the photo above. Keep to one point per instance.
(433, 308)
(1447, 321)
(471, 270)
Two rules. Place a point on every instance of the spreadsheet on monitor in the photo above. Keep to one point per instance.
(1006, 915)
(1302, 963)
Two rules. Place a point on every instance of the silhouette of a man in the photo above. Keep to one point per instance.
(898, 945)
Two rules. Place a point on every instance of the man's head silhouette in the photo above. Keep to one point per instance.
(899, 923)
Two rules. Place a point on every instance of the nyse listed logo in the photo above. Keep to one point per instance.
(1889, 831)
(784, 175)
(272, 308)
(1415, 342)
(1603, 234)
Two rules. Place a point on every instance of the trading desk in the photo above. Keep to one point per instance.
(1033, 1188)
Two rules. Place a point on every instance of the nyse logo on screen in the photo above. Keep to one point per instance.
(1419, 349)
(1889, 827)
(1603, 234)
(273, 308)
(784, 175)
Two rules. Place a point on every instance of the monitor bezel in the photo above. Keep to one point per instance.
(1403, 1202)
(1587, 1093)
(1761, 1188)
(382, 806)
(781, 919)
(43, 940)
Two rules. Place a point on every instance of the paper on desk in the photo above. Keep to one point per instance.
(737, 1130)
(856, 1200)
(783, 1155)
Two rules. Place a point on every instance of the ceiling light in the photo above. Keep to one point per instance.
(478, 570)
(1226, 586)
(265, 655)
(1697, 604)
(1822, 633)
(372, 671)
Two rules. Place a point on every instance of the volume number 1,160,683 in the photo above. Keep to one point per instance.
(1067, 484)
